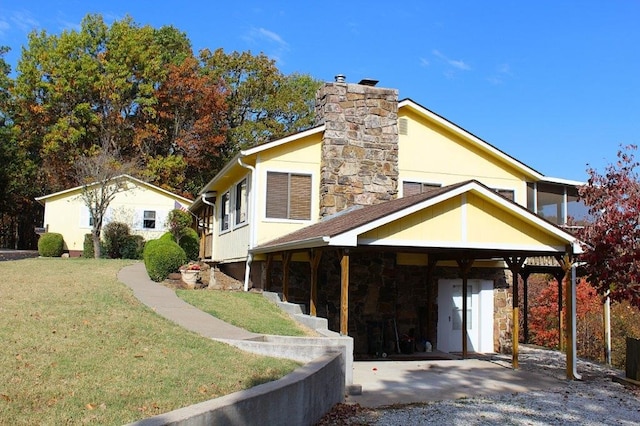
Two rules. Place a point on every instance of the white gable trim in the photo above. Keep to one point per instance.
(285, 140)
(350, 238)
(127, 177)
(470, 137)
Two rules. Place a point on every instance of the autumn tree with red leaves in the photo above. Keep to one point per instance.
(612, 238)
(543, 319)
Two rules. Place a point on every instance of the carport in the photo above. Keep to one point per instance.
(459, 227)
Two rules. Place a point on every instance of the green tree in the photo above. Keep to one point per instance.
(262, 103)
(88, 88)
(18, 211)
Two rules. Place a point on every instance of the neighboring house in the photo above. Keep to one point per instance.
(144, 207)
(382, 217)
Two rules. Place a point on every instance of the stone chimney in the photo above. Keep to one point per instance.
(360, 146)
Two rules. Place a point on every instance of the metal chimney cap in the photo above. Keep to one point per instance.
(340, 78)
(368, 82)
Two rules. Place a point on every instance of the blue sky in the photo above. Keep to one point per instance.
(552, 83)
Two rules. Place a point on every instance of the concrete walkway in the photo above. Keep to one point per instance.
(164, 301)
(404, 382)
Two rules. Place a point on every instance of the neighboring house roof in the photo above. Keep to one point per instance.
(343, 229)
(70, 191)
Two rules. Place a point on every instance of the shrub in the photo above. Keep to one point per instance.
(132, 247)
(87, 247)
(178, 222)
(51, 244)
(162, 257)
(115, 235)
(190, 243)
(167, 236)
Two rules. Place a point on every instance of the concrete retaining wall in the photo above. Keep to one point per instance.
(302, 349)
(300, 398)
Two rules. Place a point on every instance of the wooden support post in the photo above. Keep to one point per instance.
(515, 265)
(286, 259)
(465, 267)
(314, 259)
(344, 292)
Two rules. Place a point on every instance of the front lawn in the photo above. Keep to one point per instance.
(78, 347)
(250, 311)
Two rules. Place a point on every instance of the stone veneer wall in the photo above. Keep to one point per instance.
(360, 145)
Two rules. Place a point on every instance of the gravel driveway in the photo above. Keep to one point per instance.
(596, 400)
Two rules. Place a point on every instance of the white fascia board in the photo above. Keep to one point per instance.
(562, 181)
(278, 142)
(462, 245)
(295, 245)
(482, 144)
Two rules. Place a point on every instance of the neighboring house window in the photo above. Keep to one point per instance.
(288, 196)
(149, 219)
(413, 188)
(224, 212)
(241, 202)
(507, 193)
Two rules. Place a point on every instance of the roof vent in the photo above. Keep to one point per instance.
(340, 78)
(368, 82)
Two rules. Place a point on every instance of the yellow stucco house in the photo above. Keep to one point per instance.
(144, 207)
(389, 220)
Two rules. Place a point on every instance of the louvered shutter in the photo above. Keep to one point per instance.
(277, 195)
(300, 208)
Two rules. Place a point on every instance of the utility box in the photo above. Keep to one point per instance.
(633, 359)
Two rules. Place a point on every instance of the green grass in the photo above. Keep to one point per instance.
(250, 311)
(77, 347)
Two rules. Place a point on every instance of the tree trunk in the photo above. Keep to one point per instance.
(96, 244)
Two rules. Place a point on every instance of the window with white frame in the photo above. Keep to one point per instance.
(241, 201)
(288, 196)
(149, 219)
(225, 203)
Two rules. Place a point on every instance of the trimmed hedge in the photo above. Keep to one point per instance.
(190, 243)
(162, 257)
(51, 244)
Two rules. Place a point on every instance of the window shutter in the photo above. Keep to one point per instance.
(300, 197)
(277, 195)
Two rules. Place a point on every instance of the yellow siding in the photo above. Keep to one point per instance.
(437, 223)
(302, 156)
(66, 214)
(433, 154)
(478, 222)
(488, 222)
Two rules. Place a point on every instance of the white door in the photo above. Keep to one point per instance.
(479, 315)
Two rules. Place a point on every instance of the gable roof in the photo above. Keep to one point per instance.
(480, 143)
(139, 182)
(344, 228)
